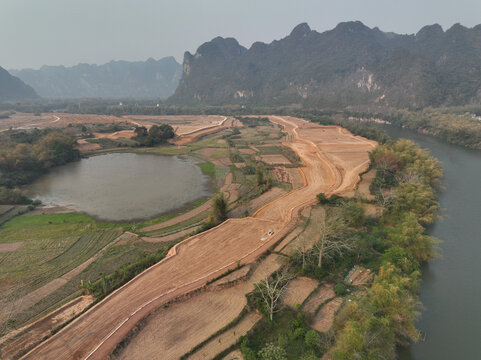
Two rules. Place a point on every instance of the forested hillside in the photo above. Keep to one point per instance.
(349, 65)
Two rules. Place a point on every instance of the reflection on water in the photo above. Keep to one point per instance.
(123, 186)
(451, 290)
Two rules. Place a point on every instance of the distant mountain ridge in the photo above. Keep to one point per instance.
(116, 79)
(13, 89)
(348, 65)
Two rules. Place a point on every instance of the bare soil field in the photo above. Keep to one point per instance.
(174, 330)
(84, 146)
(360, 277)
(234, 355)
(196, 260)
(363, 186)
(22, 121)
(309, 235)
(247, 151)
(123, 134)
(7, 247)
(324, 293)
(282, 175)
(324, 319)
(178, 219)
(182, 124)
(227, 338)
(266, 198)
(298, 290)
(275, 159)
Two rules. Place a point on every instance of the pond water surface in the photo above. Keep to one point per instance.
(123, 186)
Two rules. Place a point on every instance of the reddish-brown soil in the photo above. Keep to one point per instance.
(84, 146)
(196, 260)
(360, 277)
(226, 339)
(21, 121)
(321, 295)
(298, 290)
(173, 331)
(10, 246)
(178, 219)
(324, 319)
(282, 175)
(275, 159)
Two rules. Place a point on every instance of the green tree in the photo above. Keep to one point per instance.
(219, 208)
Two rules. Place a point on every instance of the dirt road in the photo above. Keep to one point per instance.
(332, 158)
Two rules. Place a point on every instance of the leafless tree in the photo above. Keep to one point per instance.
(385, 198)
(272, 288)
(409, 176)
(333, 239)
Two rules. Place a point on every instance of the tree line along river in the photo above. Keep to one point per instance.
(450, 291)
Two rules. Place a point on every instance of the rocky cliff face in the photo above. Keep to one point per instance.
(116, 79)
(351, 64)
(13, 89)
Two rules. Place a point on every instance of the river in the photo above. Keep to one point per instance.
(450, 290)
(123, 186)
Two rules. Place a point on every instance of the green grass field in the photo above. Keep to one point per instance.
(52, 245)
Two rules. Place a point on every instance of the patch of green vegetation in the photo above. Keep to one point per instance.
(207, 168)
(52, 245)
(106, 284)
(288, 334)
(254, 121)
(220, 154)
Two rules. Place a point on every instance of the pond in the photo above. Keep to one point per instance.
(123, 186)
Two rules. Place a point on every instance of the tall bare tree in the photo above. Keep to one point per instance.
(334, 238)
(271, 290)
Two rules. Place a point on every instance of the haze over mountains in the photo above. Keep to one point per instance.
(116, 79)
(351, 64)
(12, 88)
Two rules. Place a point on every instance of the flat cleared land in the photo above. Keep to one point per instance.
(226, 339)
(324, 319)
(321, 295)
(10, 246)
(298, 290)
(173, 331)
(22, 121)
(275, 159)
(200, 258)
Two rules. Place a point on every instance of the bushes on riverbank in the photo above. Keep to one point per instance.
(373, 323)
(372, 326)
(24, 158)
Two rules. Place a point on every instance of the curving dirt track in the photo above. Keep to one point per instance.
(332, 158)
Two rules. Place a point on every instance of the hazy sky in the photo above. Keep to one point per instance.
(67, 32)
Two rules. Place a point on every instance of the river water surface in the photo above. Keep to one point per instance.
(123, 186)
(451, 291)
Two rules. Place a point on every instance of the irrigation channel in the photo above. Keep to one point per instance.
(450, 291)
